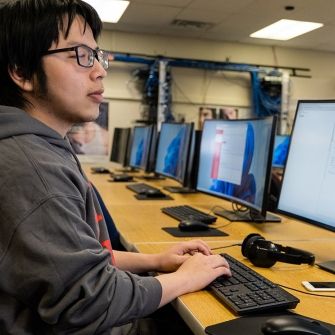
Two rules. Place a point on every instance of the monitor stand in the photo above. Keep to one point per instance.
(126, 170)
(328, 266)
(245, 216)
(179, 189)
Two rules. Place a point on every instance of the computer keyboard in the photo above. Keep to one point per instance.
(248, 292)
(185, 212)
(141, 188)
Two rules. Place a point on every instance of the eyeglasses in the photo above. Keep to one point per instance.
(85, 55)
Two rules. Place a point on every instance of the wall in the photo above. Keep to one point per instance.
(192, 88)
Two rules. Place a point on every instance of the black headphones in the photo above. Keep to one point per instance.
(265, 253)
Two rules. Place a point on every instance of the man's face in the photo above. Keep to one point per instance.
(73, 93)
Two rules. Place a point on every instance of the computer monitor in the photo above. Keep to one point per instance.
(120, 146)
(152, 154)
(235, 164)
(173, 154)
(280, 150)
(308, 184)
(190, 181)
(142, 143)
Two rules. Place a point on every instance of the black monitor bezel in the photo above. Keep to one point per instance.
(184, 179)
(151, 159)
(289, 214)
(193, 160)
(252, 209)
(124, 159)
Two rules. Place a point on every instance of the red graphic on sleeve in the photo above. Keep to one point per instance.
(107, 244)
(98, 217)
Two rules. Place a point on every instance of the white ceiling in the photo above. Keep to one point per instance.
(230, 20)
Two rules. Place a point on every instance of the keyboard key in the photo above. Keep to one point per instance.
(249, 292)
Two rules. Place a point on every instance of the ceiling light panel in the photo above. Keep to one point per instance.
(109, 10)
(286, 29)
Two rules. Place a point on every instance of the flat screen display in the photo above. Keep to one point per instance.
(173, 150)
(235, 160)
(120, 145)
(140, 148)
(308, 183)
(280, 151)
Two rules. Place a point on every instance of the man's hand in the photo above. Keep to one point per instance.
(171, 259)
(194, 274)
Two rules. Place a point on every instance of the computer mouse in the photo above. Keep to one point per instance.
(293, 325)
(192, 225)
(154, 194)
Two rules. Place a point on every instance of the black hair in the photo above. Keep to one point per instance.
(27, 30)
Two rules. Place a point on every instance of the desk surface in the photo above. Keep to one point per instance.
(142, 220)
(140, 224)
(197, 314)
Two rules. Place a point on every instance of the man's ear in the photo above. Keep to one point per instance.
(25, 84)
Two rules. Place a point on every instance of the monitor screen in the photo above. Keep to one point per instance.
(235, 164)
(308, 183)
(140, 147)
(280, 150)
(173, 150)
(120, 146)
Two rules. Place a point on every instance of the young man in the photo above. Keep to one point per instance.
(59, 274)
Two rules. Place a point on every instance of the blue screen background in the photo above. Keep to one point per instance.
(251, 190)
(139, 147)
(172, 150)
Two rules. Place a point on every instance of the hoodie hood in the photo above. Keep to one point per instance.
(16, 122)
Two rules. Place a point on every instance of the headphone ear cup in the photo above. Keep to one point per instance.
(248, 242)
(255, 248)
(259, 254)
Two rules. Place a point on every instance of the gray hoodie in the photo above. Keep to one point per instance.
(56, 266)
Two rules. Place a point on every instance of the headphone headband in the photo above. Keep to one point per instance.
(291, 255)
(265, 253)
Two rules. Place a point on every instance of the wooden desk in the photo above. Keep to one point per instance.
(202, 309)
(140, 223)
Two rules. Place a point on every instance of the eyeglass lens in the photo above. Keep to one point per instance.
(86, 56)
(103, 58)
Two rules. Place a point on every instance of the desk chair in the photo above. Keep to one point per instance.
(114, 235)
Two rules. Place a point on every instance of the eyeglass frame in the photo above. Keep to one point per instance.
(95, 53)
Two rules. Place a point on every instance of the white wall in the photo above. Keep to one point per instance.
(195, 87)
